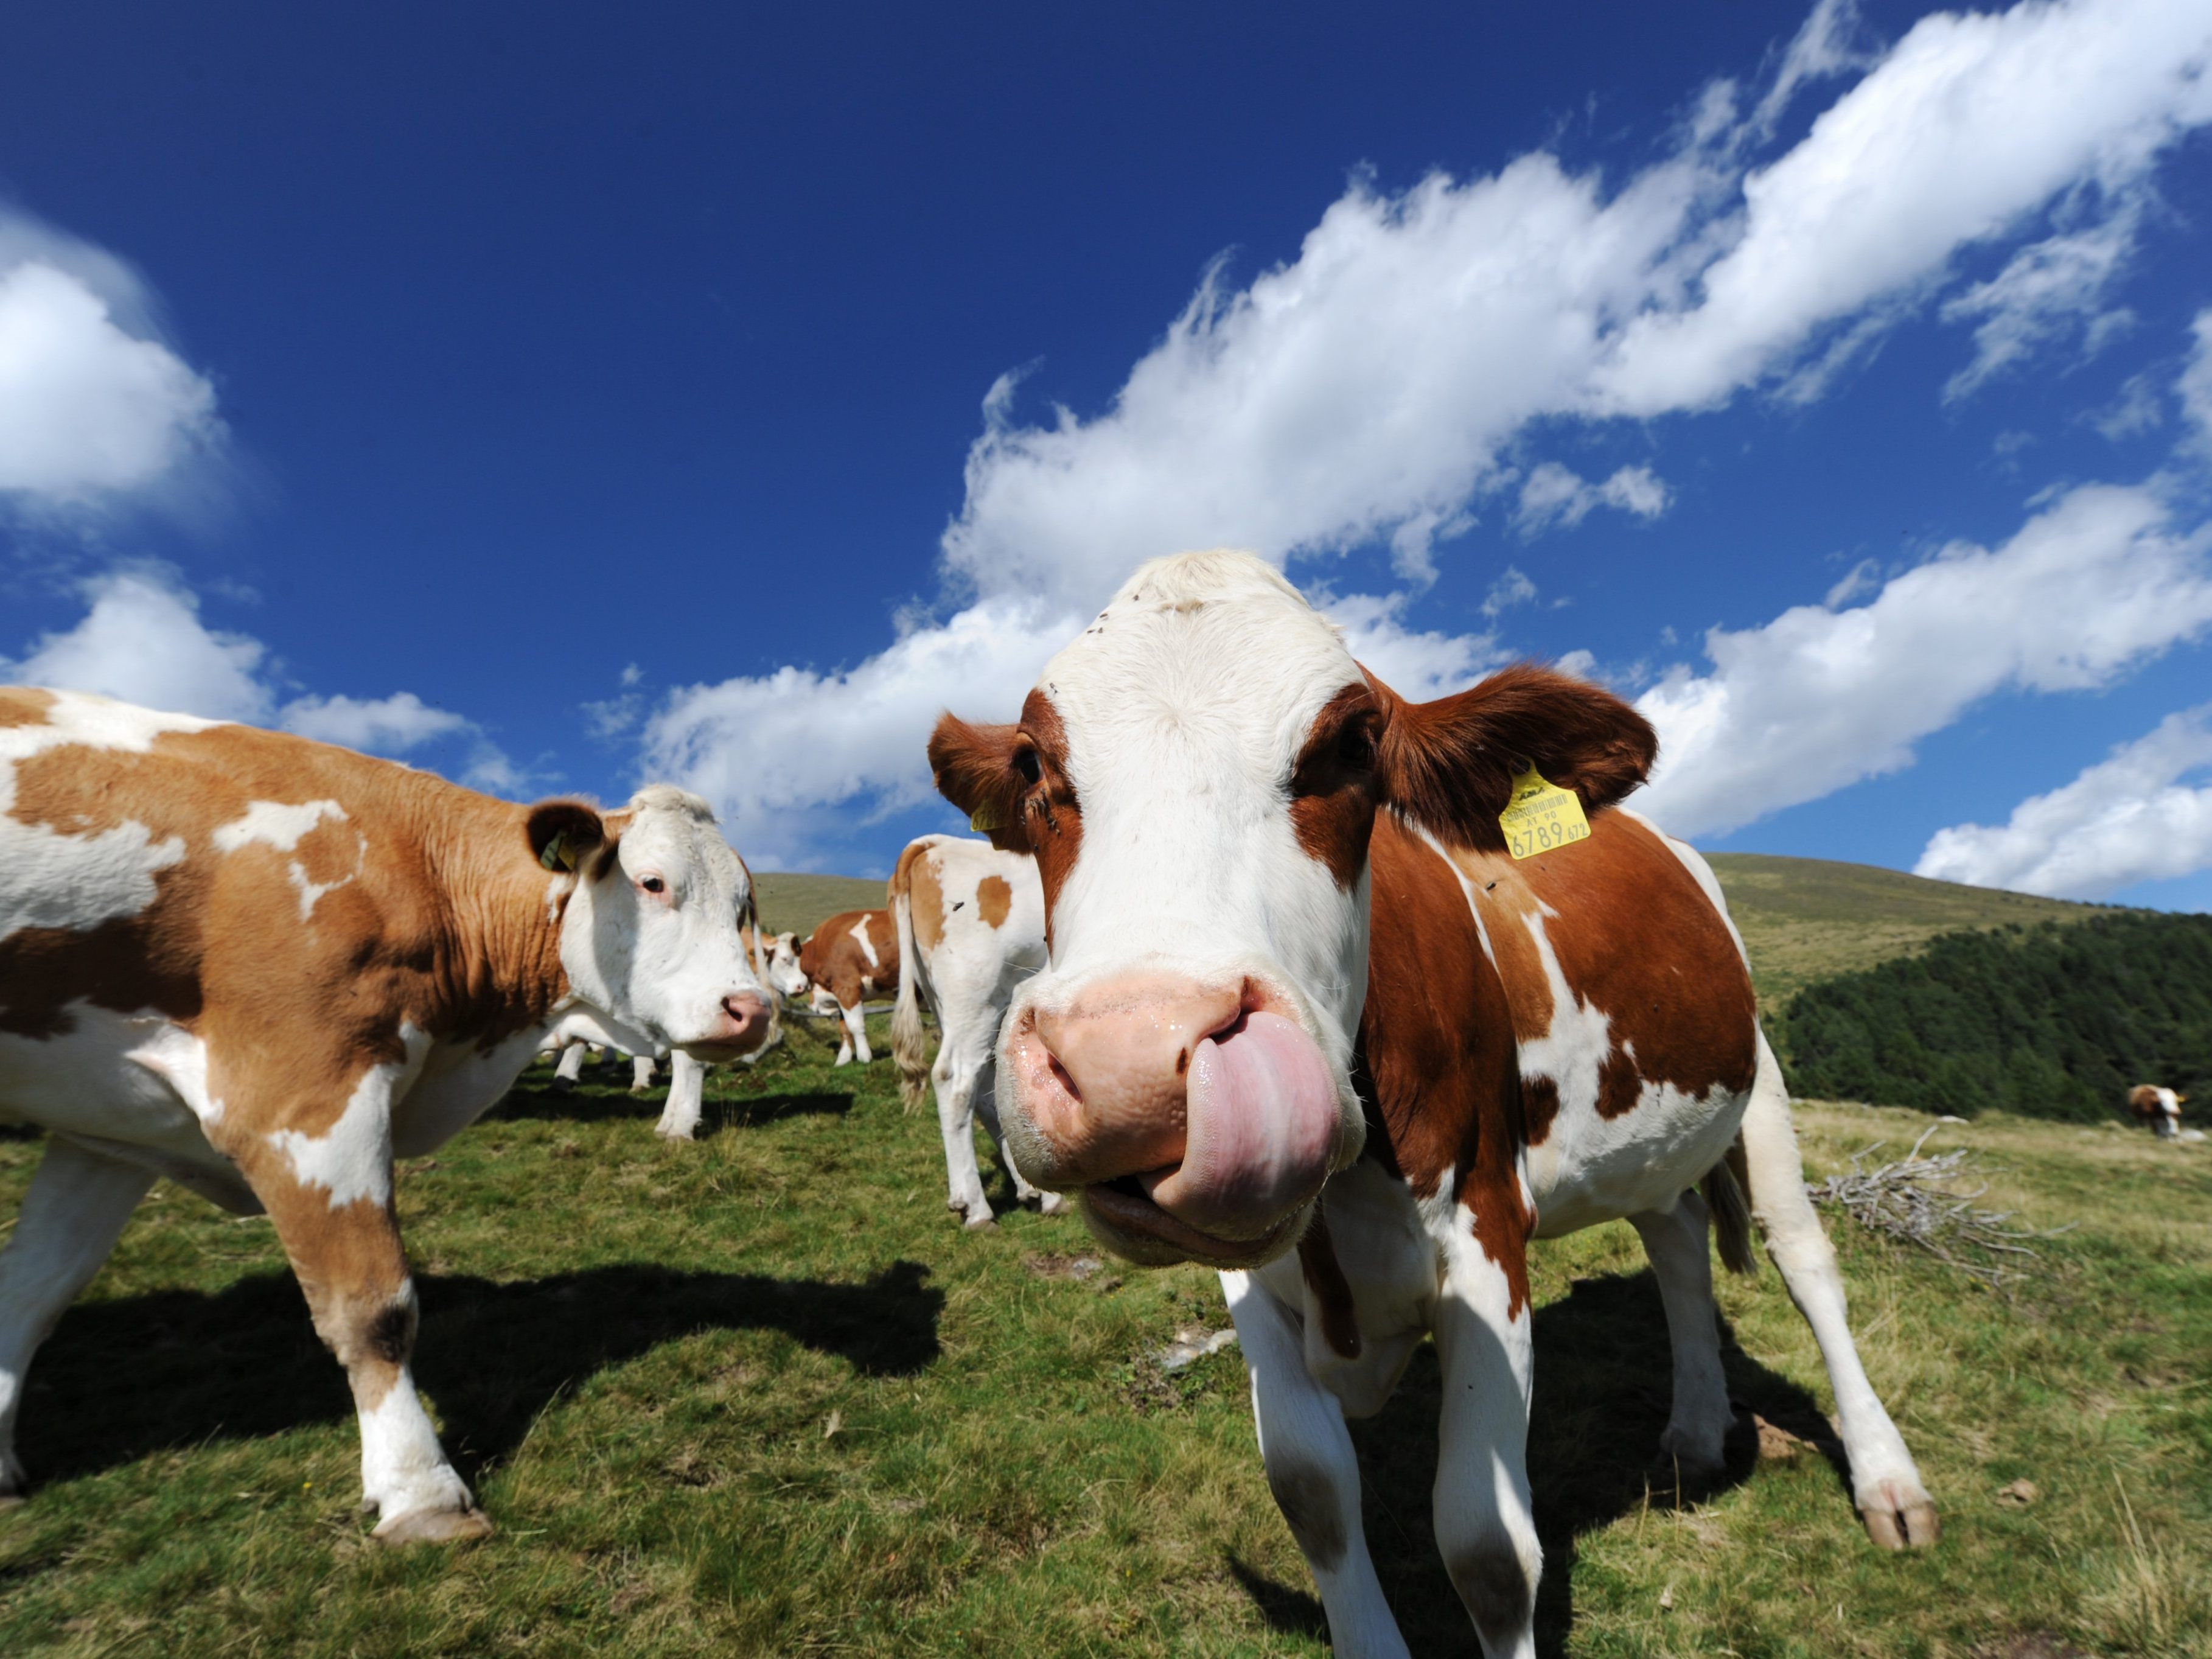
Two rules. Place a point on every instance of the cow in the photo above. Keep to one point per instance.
(849, 958)
(568, 1069)
(970, 923)
(1306, 1021)
(265, 967)
(2156, 1108)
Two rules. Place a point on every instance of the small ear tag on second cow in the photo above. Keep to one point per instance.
(1542, 818)
(558, 854)
(984, 819)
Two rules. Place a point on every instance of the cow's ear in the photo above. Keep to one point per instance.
(973, 766)
(1449, 765)
(564, 833)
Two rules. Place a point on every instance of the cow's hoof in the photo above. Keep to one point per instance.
(975, 1223)
(676, 1135)
(1901, 1520)
(434, 1527)
(1676, 1481)
(1052, 1204)
(562, 1085)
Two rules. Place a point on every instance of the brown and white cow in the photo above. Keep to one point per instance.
(970, 924)
(849, 958)
(265, 967)
(1306, 1021)
(2158, 1110)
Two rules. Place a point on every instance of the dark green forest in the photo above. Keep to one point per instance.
(2046, 1021)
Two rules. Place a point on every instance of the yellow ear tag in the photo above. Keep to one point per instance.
(983, 820)
(556, 855)
(1542, 818)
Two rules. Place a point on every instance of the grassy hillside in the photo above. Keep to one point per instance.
(800, 903)
(760, 1395)
(1808, 919)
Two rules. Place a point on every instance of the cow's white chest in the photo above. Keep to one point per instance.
(457, 1085)
(1592, 1168)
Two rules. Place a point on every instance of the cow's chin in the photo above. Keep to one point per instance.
(1130, 1224)
(714, 1054)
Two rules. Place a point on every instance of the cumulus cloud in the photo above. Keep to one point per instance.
(384, 725)
(1379, 388)
(1556, 497)
(2127, 819)
(2091, 586)
(141, 638)
(92, 401)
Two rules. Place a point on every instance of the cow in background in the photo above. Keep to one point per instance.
(2157, 1109)
(1308, 1021)
(850, 958)
(265, 967)
(970, 922)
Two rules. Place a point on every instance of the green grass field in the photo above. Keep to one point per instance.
(760, 1395)
(798, 903)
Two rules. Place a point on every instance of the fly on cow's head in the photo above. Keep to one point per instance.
(1197, 777)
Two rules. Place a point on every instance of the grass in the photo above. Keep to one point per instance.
(760, 1395)
(798, 903)
(1808, 919)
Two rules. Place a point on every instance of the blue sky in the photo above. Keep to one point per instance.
(560, 400)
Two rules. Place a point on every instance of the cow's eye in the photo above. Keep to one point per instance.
(1355, 746)
(1026, 763)
(653, 884)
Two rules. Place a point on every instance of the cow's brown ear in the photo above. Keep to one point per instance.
(563, 833)
(1449, 765)
(973, 766)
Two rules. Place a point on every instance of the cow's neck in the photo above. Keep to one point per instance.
(497, 966)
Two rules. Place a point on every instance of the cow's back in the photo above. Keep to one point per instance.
(1632, 1025)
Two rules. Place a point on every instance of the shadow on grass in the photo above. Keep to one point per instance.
(610, 1102)
(1602, 1384)
(120, 1380)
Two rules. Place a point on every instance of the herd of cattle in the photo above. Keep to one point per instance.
(1246, 972)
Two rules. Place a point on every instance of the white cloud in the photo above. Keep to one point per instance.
(1512, 587)
(385, 726)
(1554, 495)
(1820, 697)
(92, 401)
(2127, 819)
(2044, 292)
(142, 639)
(1373, 390)
(1419, 664)
(2196, 385)
(2138, 408)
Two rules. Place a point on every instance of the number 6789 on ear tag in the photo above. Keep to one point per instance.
(1542, 818)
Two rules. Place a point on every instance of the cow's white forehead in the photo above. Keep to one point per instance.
(1219, 638)
(667, 822)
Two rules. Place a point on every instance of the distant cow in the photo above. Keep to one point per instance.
(1308, 1021)
(265, 967)
(971, 929)
(850, 958)
(2158, 1109)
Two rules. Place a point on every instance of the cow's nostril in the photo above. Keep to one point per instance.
(1183, 1062)
(1059, 1076)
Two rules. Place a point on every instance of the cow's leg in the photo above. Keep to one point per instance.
(1885, 1483)
(955, 1076)
(1312, 1470)
(570, 1067)
(330, 1195)
(641, 1074)
(687, 1089)
(73, 1213)
(1692, 1449)
(856, 1028)
(1485, 1528)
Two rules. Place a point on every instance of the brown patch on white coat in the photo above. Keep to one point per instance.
(1219, 799)
(2157, 1109)
(263, 966)
(849, 958)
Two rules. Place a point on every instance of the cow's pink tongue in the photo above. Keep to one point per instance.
(1262, 1116)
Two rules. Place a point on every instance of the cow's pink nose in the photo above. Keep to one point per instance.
(1122, 1054)
(748, 1016)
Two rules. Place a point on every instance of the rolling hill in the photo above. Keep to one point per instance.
(1807, 919)
(791, 902)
